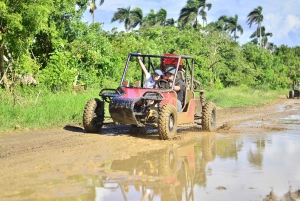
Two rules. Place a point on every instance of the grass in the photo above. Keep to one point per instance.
(243, 96)
(31, 110)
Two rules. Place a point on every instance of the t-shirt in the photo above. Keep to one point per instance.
(149, 81)
(180, 93)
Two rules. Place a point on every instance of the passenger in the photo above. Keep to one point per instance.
(150, 79)
(179, 86)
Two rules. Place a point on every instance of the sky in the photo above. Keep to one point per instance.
(281, 18)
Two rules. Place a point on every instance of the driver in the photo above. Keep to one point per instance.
(150, 79)
(179, 86)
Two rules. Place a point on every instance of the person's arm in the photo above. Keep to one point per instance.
(176, 87)
(142, 65)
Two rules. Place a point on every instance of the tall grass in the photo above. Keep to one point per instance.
(29, 109)
(34, 110)
(243, 96)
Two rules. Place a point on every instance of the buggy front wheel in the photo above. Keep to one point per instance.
(291, 94)
(167, 122)
(93, 115)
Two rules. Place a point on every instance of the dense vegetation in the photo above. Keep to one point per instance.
(45, 41)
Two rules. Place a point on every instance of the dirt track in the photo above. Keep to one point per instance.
(54, 155)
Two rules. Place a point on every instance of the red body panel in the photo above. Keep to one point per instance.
(135, 93)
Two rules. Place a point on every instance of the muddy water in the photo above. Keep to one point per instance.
(213, 167)
(257, 161)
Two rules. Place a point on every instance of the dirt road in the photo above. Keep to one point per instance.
(43, 160)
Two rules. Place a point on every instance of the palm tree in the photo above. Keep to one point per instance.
(218, 26)
(231, 25)
(257, 17)
(170, 22)
(202, 12)
(271, 46)
(161, 17)
(123, 15)
(156, 19)
(93, 7)
(136, 17)
(189, 13)
(150, 19)
(261, 33)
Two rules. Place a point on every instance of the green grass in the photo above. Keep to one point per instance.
(242, 96)
(26, 110)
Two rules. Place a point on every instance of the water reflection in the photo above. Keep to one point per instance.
(168, 174)
(255, 155)
(213, 167)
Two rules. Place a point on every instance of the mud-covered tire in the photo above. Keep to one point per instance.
(167, 164)
(209, 117)
(209, 147)
(291, 94)
(93, 115)
(167, 122)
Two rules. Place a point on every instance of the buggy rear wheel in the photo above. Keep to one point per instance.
(209, 117)
(291, 94)
(93, 115)
(296, 94)
(167, 122)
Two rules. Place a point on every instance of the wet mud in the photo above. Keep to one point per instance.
(253, 155)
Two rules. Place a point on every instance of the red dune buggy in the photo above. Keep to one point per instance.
(139, 106)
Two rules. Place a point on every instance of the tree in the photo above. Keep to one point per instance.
(161, 17)
(19, 21)
(202, 12)
(216, 26)
(170, 22)
(136, 17)
(193, 8)
(231, 25)
(157, 19)
(261, 33)
(271, 46)
(150, 18)
(93, 7)
(123, 15)
(131, 18)
(256, 16)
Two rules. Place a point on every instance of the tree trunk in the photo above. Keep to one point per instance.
(93, 17)
(3, 77)
(260, 35)
(1, 59)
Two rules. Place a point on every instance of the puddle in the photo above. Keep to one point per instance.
(292, 119)
(214, 167)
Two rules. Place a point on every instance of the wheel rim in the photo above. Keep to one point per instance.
(171, 123)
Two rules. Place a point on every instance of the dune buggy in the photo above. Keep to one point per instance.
(139, 106)
(295, 91)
